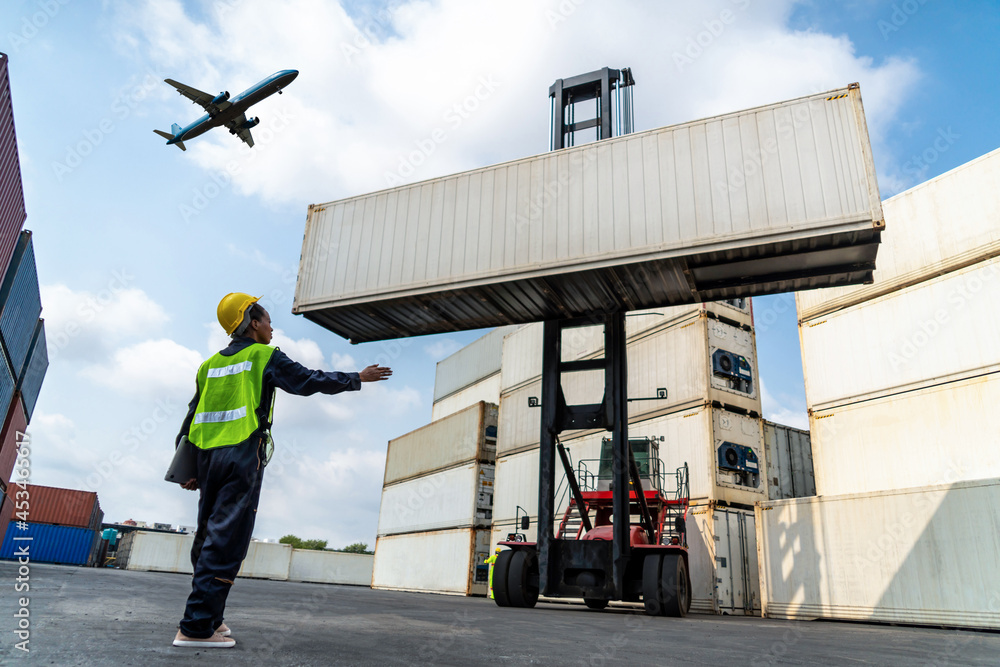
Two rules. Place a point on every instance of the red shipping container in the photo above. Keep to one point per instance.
(15, 423)
(61, 507)
(12, 212)
(6, 514)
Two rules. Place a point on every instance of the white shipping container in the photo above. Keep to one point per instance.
(789, 462)
(468, 435)
(442, 561)
(266, 560)
(713, 209)
(722, 555)
(459, 497)
(678, 358)
(471, 364)
(486, 390)
(945, 433)
(936, 227)
(925, 555)
(158, 552)
(330, 567)
(692, 436)
(522, 349)
(939, 330)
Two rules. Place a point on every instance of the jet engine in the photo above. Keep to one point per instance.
(221, 97)
(251, 122)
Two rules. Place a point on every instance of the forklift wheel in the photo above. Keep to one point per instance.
(652, 598)
(520, 590)
(676, 589)
(595, 603)
(501, 568)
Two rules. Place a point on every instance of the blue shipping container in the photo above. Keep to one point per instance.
(48, 544)
(30, 382)
(21, 302)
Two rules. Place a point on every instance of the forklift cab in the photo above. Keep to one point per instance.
(647, 457)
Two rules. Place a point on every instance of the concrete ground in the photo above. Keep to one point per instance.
(84, 616)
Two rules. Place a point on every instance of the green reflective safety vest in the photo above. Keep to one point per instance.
(229, 394)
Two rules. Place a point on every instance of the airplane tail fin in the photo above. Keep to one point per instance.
(169, 137)
(175, 129)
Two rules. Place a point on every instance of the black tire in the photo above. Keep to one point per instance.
(675, 586)
(520, 590)
(652, 599)
(595, 603)
(501, 568)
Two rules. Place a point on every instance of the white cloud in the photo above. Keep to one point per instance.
(151, 368)
(789, 412)
(81, 325)
(343, 362)
(440, 349)
(364, 107)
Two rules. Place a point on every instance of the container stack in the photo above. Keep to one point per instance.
(437, 506)
(902, 380)
(694, 371)
(61, 525)
(470, 375)
(22, 334)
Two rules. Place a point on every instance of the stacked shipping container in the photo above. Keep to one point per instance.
(902, 380)
(22, 334)
(57, 525)
(437, 505)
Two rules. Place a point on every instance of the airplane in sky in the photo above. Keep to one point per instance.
(221, 110)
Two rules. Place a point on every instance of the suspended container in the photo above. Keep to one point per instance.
(12, 211)
(939, 226)
(773, 199)
(37, 364)
(441, 561)
(45, 543)
(789, 457)
(924, 555)
(466, 436)
(21, 303)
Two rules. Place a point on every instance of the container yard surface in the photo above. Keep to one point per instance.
(86, 616)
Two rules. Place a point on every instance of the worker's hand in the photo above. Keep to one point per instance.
(375, 373)
(191, 484)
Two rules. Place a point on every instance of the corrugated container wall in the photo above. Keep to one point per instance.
(469, 435)
(459, 497)
(21, 302)
(63, 507)
(30, 384)
(647, 220)
(474, 362)
(10, 440)
(926, 555)
(486, 390)
(936, 227)
(442, 561)
(49, 544)
(789, 462)
(12, 211)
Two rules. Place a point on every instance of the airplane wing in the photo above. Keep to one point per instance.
(199, 97)
(235, 126)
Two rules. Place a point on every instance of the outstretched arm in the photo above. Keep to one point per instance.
(375, 373)
(296, 379)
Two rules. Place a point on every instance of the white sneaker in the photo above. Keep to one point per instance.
(215, 641)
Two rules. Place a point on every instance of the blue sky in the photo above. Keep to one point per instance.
(136, 241)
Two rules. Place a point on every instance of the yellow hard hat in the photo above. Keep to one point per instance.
(232, 308)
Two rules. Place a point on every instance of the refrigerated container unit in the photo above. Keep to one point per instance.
(440, 561)
(12, 210)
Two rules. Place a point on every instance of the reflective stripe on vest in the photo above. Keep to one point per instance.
(229, 394)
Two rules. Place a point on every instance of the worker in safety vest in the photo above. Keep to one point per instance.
(229, 421)
(491, 560)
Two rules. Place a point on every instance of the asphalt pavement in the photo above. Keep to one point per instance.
(89, 616)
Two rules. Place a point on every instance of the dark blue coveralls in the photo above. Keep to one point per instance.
(229, 479)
